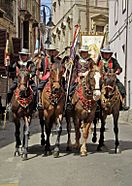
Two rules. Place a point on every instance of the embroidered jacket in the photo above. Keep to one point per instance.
(112, 63)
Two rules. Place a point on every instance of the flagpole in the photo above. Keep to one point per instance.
(71, 59)
(7, 63)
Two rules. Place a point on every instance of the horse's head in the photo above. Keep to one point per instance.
(56, 73)
(109, 83)
(93, 82)
(23, 80)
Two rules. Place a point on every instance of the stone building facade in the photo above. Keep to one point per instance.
(91, 15)
(120, 38)
(19, 22)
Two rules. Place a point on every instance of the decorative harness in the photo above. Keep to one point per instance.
(23, 102)
(85, 95)
(54, 99)
(109, 103)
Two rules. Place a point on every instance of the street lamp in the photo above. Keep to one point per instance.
(49, 24)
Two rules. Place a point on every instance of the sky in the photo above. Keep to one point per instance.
(47, 3)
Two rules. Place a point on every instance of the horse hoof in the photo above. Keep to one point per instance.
(56, 154)
(94, 139)
(99, 149)
(68, 149)
(16, 153)
(117, 151)
(83, 154)
(42, 142)
(49, 153)
(25, 157)
(76, 146)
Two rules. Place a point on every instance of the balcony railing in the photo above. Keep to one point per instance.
(7, 6)
(31, 8)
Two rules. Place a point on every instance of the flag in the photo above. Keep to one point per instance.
(7, 56)
(74, 42)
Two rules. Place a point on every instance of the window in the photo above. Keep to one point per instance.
(116, 9)
(99, 28)
(123, 6)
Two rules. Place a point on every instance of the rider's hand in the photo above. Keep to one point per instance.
(118, 71)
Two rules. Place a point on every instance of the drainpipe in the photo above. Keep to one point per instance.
(87, 15)
(129, 93)
(126, 50)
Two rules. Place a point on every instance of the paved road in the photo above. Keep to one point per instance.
(102, 169)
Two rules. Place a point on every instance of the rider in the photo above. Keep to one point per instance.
(25, 61)
(82, 63)
(47, 60)
(107, 62)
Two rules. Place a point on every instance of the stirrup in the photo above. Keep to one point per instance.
(40, 106)
(8, 107)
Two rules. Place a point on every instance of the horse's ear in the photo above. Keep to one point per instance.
(17, 70)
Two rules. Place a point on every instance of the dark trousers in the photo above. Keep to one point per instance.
(121, 88)
(42, 84)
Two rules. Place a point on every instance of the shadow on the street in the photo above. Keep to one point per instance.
(7, 135)
(38, 150)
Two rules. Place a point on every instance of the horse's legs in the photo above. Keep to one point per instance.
(68, 122)
(23, 141)
(42, 131)
(48, 126)
(94, 138)
(26, 134)
(59, 130)
(83, 149)
(17, 135)
(115, 117)
(77, 132)
(102, 129)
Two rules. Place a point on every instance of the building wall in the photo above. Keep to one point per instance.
(79, 12)
(120, 38)
(12, 18)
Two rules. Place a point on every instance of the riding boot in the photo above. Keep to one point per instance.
(8, 99)
(40, 100)
(35, 102)
(69, 104)
(123, 106)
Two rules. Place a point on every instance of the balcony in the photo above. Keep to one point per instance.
(6, 8)
(30, 10)
(26, 9)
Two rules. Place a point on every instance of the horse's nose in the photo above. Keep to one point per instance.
(22, 88)
(55, 90)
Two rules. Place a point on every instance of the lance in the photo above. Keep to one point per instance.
(103, 40)
(66, 48)
(7, 63)
(71, 59)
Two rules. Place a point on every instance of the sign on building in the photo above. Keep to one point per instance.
(94, 43)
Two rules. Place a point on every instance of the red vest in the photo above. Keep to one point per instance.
(110, 63)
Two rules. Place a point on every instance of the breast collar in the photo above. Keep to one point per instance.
(21, 63)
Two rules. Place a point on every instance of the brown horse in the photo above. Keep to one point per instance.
(53, 99)
(84, 107)
(110, 104)
(22, 107)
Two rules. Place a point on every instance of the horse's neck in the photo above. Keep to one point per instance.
(85, 87)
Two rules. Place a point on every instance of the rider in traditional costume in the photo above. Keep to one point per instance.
(24, 62)
(47, 61)
(82, 63)
(106, 63)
